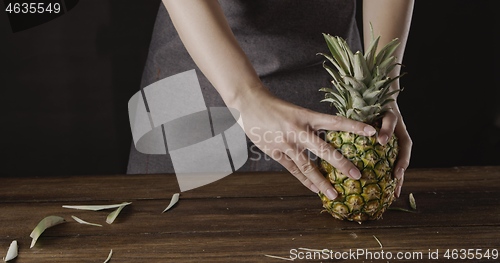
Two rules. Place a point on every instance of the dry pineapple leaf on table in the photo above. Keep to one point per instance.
(312, 249)
(173, 201)
(96, 207)
(83, 222)
(12, 252)
(378, 241)
(45, 223)
(278, 257)
(413, 204)
(401, 209)
(109, 256)
(111, 217)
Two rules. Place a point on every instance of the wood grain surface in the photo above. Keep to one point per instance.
(246, 216)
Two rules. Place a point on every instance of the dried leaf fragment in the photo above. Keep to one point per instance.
(12, 252)
(312, 250)
(81, 221)
(109, 256)
(413, 205)
(277, 257)
(173, 201)
(401, 209)
(378, 241)
(96, 207)
(112, 216)
(45, 223)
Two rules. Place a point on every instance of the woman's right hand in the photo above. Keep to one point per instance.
(284, 131)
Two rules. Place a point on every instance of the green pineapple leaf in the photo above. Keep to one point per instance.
(336, 51)
(386, 51)
(371, 52)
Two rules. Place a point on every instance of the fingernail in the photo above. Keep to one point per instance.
(355, 174)
(398, 191)
(383, 139)
(369, 130)
(314, 189)
(331, 194)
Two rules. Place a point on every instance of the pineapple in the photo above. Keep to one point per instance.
(361, 93)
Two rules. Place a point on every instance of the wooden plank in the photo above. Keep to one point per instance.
(252, 246)
(113, 187)
(251, 214)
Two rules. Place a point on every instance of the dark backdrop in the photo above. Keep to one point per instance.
(65, 86)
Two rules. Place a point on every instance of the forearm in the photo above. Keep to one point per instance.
(209, 40)
(390, 19)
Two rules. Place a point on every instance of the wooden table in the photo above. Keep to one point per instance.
(246, 216)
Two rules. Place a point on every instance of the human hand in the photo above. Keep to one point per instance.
(392, 122)
(284, 131)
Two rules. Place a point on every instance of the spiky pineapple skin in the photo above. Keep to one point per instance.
(368, 197)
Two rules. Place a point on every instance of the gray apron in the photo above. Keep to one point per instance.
(281, 39)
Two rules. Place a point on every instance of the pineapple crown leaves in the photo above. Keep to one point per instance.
(362, 86)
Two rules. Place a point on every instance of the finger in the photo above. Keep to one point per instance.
(338, 123)
(284, 160)
(279, 156)
(405, 145)
(327, 152)
(389, 122)
(307, 168)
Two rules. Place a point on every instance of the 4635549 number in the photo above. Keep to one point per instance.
(471, 254)
(33, 8)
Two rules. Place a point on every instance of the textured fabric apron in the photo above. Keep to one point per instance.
(280, 37)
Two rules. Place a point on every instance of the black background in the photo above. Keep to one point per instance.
(65, 84)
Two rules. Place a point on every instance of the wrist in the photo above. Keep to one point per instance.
(240, 97)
